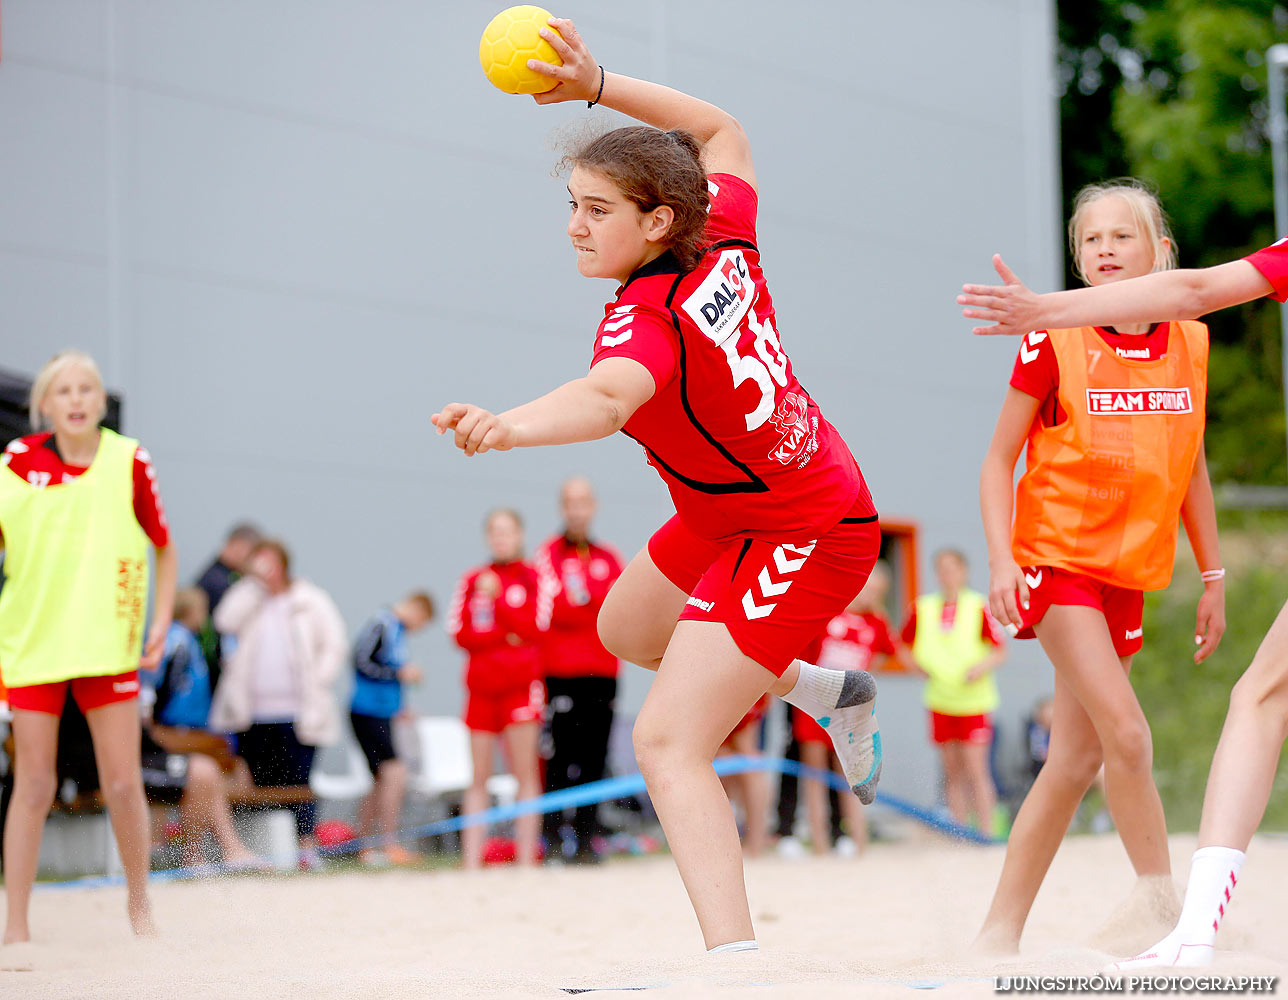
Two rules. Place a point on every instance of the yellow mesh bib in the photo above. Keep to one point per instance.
(76, 572)
(947, 656)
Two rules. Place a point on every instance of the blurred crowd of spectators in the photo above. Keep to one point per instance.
(246, 693)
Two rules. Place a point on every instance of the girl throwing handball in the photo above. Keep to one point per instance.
(775, 530)
(1113, 422)
(78, 507)
(1256, 725)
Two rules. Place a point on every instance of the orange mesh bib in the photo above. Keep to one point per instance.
(1102, 491)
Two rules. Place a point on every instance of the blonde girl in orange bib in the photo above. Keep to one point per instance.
(1256, 726)
(1112, 423)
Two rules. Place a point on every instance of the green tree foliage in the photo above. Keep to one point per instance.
(1174, 92)
(1185, 703)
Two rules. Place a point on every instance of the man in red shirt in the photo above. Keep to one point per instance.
(581, 675)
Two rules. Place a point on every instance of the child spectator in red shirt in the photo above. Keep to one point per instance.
(499, 616)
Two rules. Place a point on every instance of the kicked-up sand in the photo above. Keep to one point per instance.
(901, 917)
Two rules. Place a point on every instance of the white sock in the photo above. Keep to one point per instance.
(817, 689)
(733, 946)
(1214, 873)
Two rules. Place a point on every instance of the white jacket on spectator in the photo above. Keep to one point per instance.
(321, 649)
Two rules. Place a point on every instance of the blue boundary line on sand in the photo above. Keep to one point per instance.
(567, 798)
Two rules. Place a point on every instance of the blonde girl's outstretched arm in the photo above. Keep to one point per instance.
(997, 506)
(1198, 512)
(725, 146)
(1014, 309)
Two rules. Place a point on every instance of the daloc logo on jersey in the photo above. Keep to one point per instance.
(1139, 401)
(719, 304)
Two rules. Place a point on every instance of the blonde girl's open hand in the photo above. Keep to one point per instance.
(1008, 593)
(579, 77)
(1210, 621)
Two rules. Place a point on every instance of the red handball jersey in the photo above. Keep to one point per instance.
(502, 634)
(35, 458)
(1037, 373)
(740, 444)
(1272, 262)
(578, 578)
(851, 642)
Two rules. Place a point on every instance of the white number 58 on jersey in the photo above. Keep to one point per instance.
(721, 307)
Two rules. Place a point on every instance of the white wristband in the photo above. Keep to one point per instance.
(1211, 575)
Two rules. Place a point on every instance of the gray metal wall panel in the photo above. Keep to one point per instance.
(291, 230)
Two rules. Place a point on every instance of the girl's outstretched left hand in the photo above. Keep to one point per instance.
(579, 76)
(1210, 623)
(477, 430)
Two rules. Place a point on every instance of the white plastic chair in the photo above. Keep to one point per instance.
(445, 765)
(353, 782)
(504, 788)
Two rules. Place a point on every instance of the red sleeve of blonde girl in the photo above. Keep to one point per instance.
(148, 509)
(1036, 372)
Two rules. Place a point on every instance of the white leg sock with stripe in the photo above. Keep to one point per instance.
(1214, 873)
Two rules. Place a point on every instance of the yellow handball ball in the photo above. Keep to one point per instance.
(509, 41)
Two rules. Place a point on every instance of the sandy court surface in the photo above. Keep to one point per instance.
(901, 917)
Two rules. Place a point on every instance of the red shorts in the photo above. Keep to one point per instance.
(806, 730)
(960, 728)
(492, 713)
(775, 599)
(1123, 609)
(90, 693)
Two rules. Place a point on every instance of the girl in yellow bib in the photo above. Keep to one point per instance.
(1113, 422)
(78, 507)
(958, 647)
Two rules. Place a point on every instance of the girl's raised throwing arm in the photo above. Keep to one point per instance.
(725, 146)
